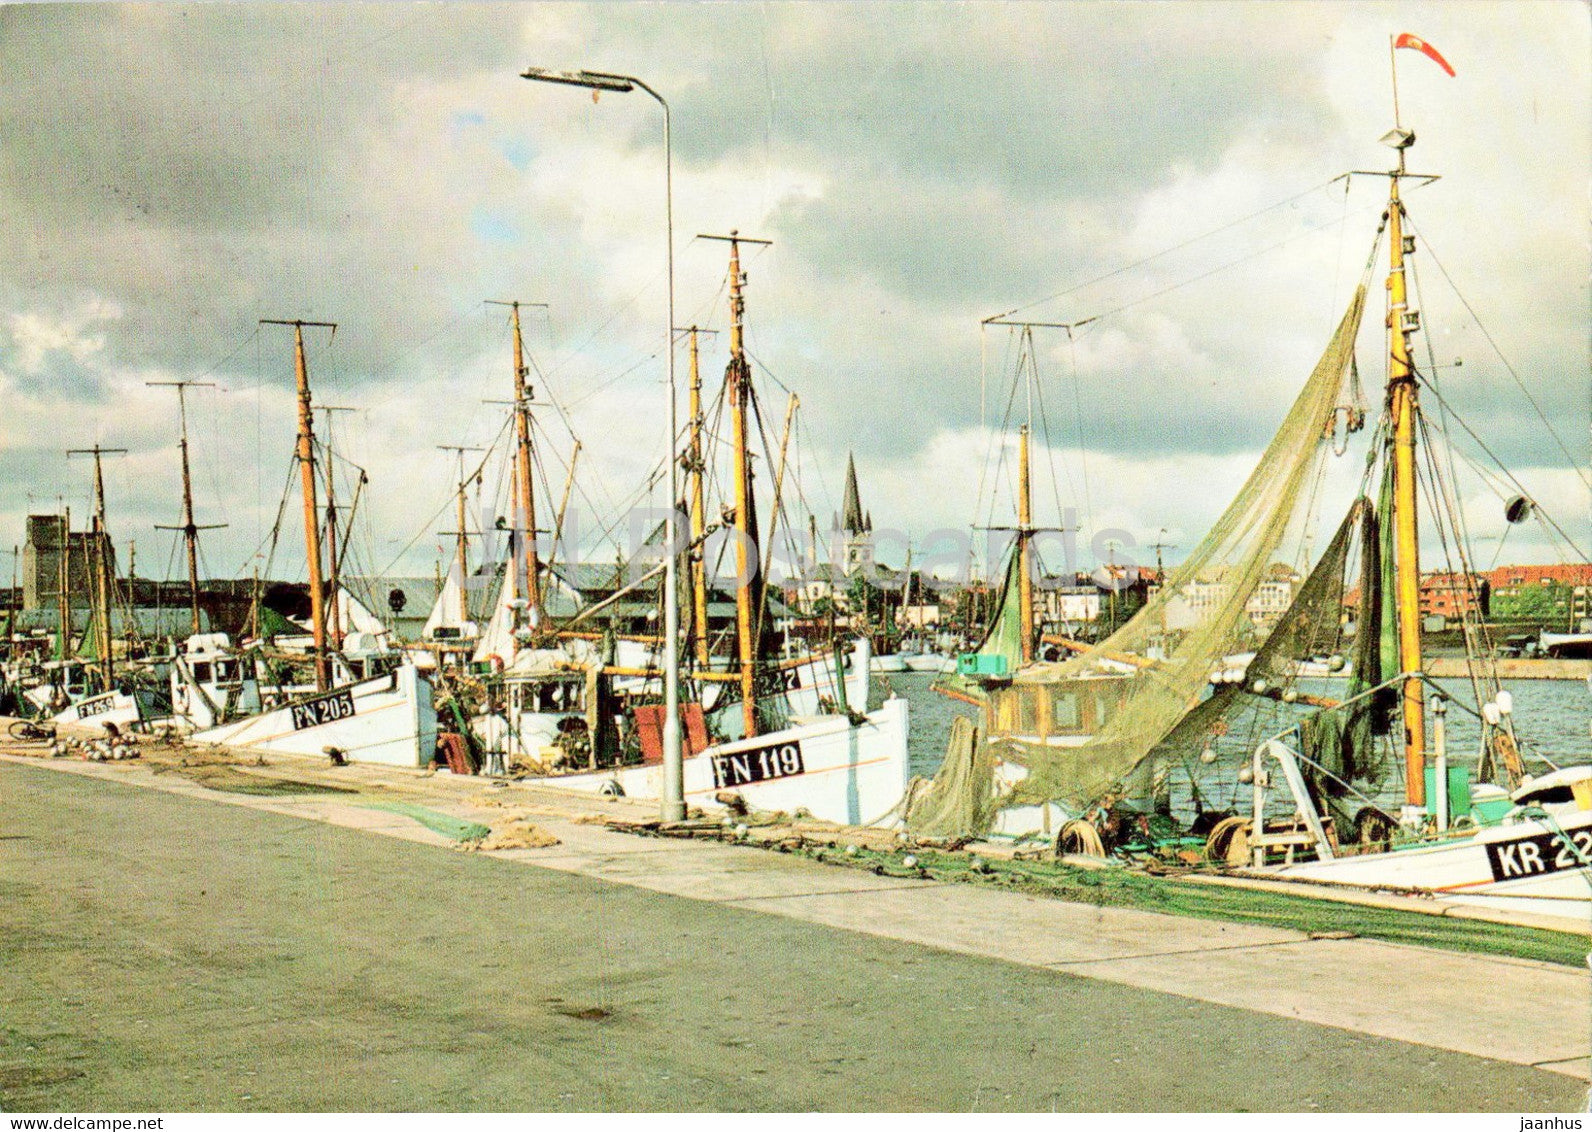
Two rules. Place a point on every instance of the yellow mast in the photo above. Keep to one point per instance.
(101, 564)
(745, 545)
(738, 380)
(697, 562)
(312, 526)
(461, 535)
(63, 587)
(190, 530)
(334, 583)
(1403, 405)
(563, 506)
(522, 424)
(1025, 528)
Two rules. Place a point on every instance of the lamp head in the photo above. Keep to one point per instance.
(593, 80)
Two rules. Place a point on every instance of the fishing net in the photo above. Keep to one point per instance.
(1085, 727)
(961, 797)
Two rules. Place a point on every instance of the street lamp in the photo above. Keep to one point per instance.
(673, 807)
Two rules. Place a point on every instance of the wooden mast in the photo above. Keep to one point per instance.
(312, 526)
(1025, 513)
(100, 564)
(463, 551)
(1025, 530)
(696, 561)
(190, 530)
(1403, 406)
(63, 588)
(461, 546)
(334, 561)
(522, 422)
(738, 382)
(523, 491)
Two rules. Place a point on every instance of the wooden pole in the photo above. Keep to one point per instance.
(1407, 564)
(190, 533)
(522, 420)
(190, 530)
(100, 564)
(1025, 530)
(312, 526)
(739, 379)
(334, 562)
(461, 535)
(563, 508)
(102, 577)
(697, 562)
(779, 483)
(63, 587)
(738, 390)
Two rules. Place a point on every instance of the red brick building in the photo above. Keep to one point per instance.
(1451, 595)
(1509, 579)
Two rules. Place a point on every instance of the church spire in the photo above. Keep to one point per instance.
(852, 521)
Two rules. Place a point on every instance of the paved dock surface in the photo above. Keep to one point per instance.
(163, 950)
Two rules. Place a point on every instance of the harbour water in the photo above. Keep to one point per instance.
(1553, 720)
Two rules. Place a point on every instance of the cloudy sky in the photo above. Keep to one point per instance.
(170, 174)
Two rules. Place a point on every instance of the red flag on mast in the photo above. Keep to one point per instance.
(1419, 44)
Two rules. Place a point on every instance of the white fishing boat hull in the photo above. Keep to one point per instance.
(388, 719)
(811, 687)
(929, 662)
(888, 662)
(1520, 866)
(836, 771)
(121, 708)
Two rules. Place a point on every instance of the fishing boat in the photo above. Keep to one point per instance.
(212, 683)
(367, 702)
(758, 731)
(1088, 752)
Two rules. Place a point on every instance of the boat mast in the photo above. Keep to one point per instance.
(1025, 511)
(190, 531)
(738, 379)
(1403, 405)
(312, 526)
(63, 588)
(696, 562)
(462, 546)
(522, 424)
(524, 490)
(1025, 530)
(334, 562)
(101, 563)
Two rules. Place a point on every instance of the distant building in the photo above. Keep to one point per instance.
(1068, 604)
(1453, 596)
(1195, 601)
(47, 541)
(1272, 597)
(1507, 582)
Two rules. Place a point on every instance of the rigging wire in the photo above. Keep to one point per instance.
(1514, 375)
(1503, 471)
(1168, 251)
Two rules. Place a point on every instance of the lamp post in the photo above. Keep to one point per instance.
(673, 807)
